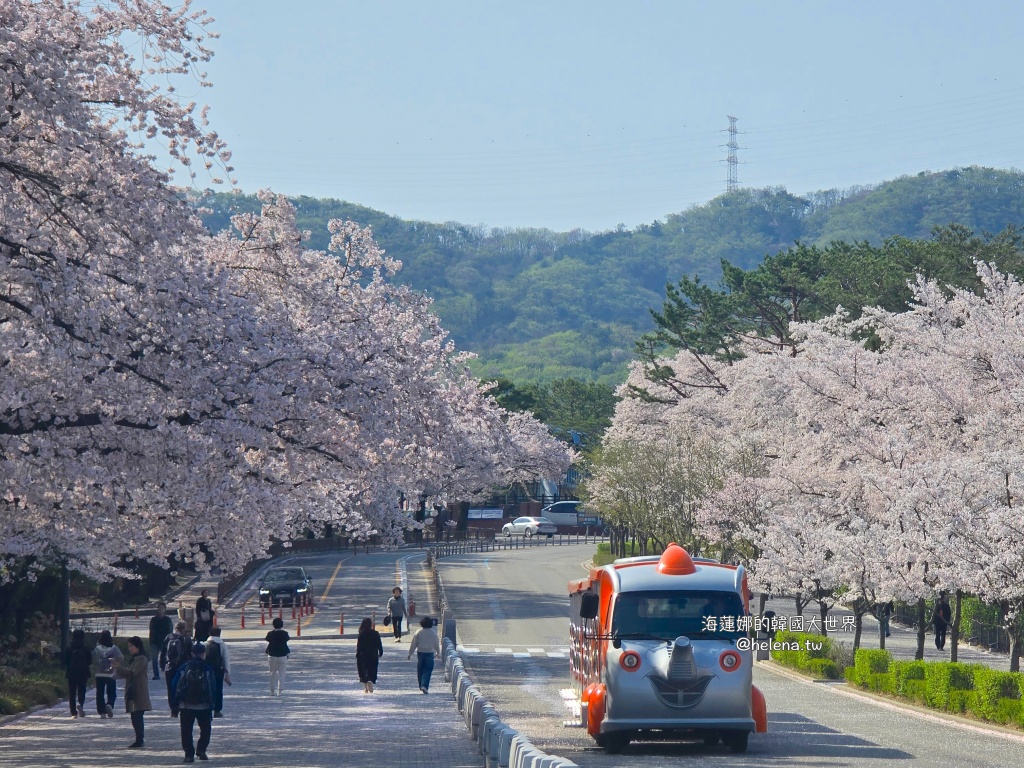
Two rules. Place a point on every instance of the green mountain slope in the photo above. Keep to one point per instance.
(538, 305)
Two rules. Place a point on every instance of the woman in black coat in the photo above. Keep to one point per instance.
(369, 649)
(77, 660)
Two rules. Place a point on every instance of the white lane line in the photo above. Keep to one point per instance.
(521, 655)
(503, 650)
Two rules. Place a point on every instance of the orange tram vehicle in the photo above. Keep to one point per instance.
(655, 652)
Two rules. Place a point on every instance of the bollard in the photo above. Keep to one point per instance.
(373, 618)
(298, 628)
(312, 607)
(215, 618)
(263, 616)
(243, 615)
(341, 625)
(412, 607)
(136, 611)
(293, 609)
(280, 610)
(115, 625)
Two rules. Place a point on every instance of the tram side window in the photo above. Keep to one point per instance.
(671, 614)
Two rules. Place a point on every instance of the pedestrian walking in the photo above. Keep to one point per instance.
(886, 613)
(369, 649)
(204, 616)
(136, 689)
(104, 656)
(177, 651)
(940, 620)
(193, 696)
(396, 613)
(77, 661)
(427, 647)
(217, 658)
(160, 626)
(277, 650)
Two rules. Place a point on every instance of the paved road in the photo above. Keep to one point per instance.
(512, 613)
(324, 720)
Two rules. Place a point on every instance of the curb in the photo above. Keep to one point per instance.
(500, 745)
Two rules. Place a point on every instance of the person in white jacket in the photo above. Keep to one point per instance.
(427, 647)
(217, 657)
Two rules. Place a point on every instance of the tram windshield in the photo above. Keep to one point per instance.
(667, 615)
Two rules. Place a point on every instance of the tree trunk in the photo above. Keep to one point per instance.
(65, 608)
(799, 605)
(763, 600)
(954, 629)
(858, 626)
(823, 612)
(883, 624)
(919, 653)
(1014, 651)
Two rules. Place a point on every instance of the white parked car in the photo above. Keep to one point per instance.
(530, 526)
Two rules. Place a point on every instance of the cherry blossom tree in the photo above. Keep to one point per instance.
(170, 393)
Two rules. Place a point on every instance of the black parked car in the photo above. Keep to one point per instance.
(285, 585)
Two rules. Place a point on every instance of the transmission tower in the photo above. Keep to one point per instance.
(732, 163)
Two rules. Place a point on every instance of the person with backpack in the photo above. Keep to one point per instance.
(160, 626)
(278, 651)
(176, 651)
(104, 656)
(193, 696)
(217, 658)
(136, 689)
(77, 660)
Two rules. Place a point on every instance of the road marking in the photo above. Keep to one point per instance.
(330, 581)
(521, 655)
(535, 650)
(503, 650)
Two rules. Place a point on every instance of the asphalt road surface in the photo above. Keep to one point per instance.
(512, 613)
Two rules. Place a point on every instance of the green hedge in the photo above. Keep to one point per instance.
(943, 677)
(972, 689)
(815, 661)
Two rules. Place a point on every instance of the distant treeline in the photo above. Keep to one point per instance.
(540, 306)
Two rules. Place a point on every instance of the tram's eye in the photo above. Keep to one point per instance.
(630, 661)
(729, 661)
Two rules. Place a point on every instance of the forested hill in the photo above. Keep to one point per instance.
(538, 305)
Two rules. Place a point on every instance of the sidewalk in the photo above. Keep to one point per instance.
(323, 719)
(902, 642)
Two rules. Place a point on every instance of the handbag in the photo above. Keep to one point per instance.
(387, 620)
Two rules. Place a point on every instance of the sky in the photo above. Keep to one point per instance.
(593, 114)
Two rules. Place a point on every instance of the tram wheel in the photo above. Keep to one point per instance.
(736, 740)
(612, 743)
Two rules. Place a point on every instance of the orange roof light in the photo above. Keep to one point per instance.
(676, 561)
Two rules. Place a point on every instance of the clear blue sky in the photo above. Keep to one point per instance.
(590, 114)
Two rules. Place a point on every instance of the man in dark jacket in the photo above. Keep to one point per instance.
(176, 651)
(193, 696)
(160, 626)
(940, 620)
